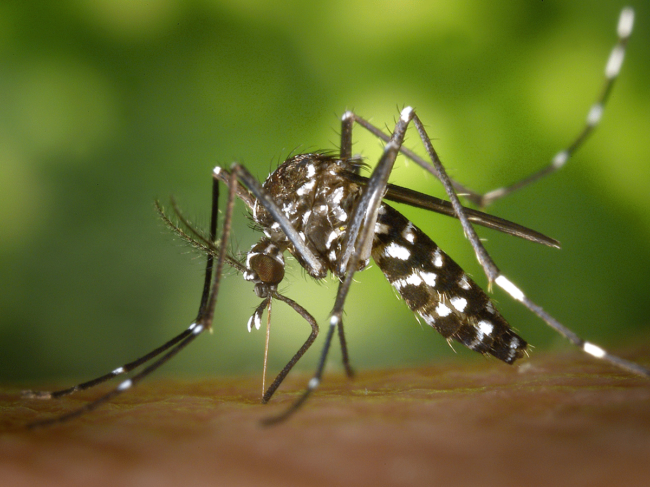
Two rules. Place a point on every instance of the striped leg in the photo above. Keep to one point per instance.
(171, 348)
(612, 70)
(494, 275)
(595, 114)
(217, 257)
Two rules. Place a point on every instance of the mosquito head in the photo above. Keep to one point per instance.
(269, 270)
(265, 266)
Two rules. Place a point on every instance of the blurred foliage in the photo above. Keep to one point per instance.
(109, 104)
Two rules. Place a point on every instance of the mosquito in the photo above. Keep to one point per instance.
(332, 220)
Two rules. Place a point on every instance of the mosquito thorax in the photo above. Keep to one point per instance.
(315, 195)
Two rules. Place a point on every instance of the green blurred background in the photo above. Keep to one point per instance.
(109, 104)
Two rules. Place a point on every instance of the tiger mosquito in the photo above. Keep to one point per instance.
(331, 219)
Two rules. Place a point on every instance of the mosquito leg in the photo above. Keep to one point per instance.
(612, 70)
(206, 312)
(344, 352)
(154, 353)
(214, 213)
(490, 268)
(587, 347)
(311, 386)
(223, 175)
(494, 274)
(194, 331)
(347, 121)
(404, 150)
(203, 322)
(312, 336)
(115, 373)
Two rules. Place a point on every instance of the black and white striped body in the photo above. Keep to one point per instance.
(437, 289)
(317, 198)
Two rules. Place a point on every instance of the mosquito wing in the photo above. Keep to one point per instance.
(431, 203)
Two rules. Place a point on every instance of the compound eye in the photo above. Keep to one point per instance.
(269, 270)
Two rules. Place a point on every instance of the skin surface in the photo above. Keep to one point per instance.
(558, 418)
